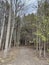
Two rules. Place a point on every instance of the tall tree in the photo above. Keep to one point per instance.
(8, 31)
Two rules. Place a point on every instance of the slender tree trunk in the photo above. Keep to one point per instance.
(11, 33)
(15, 12)
(25, 42)
(8, 33)
(15, 37)
(40, 50)
(2, 31)
(44, 51)
(37, 44)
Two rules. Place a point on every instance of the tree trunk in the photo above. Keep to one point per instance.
(8, 33)
(44, 51)
(15, 37)
(37, 44)
(40, 50)
(11, 34)
(2, 31)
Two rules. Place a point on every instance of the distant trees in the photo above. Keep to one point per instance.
(42, 26)
(38, 26)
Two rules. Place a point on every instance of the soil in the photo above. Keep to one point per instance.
(24, 56)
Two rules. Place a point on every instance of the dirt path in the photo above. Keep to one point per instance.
(27, 56)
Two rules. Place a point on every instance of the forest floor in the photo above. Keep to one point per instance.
(22, 56)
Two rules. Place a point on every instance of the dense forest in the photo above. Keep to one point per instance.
(18, 29)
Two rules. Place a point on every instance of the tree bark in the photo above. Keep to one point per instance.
(2, 31)
(37, 44)
(11, 33)
(44, 51)
(40, 50)
(8, 33)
